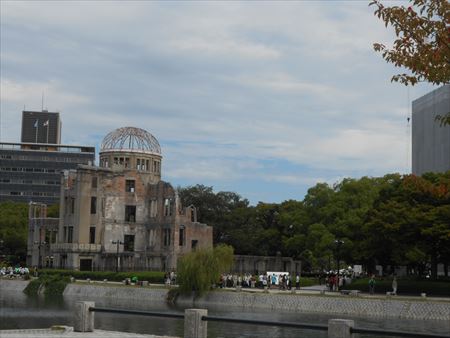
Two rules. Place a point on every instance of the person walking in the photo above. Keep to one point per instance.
(297, 282)
(394, 286)
(372, 285)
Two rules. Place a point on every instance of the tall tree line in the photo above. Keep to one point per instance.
(392, 220)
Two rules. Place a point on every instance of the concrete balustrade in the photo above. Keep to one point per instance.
(194, 325)
(83, 319)
(340, 328)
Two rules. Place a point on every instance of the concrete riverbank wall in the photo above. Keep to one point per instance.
(12, 285)
(372, 306)
(340, 305)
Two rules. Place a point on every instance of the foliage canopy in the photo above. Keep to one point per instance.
(423, 42)
(199, 270)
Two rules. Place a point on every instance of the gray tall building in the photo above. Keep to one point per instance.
(41, 127)
(31, 172)
(430, 141)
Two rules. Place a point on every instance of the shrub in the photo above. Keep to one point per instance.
(33, 287)
(199, 270)
(54, 285)
(307, 281)
(150, 276)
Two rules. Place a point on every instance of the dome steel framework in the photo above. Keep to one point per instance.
(131, 139)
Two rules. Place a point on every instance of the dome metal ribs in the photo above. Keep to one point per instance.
(132, 139)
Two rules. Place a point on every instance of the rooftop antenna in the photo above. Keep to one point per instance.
(42, 107)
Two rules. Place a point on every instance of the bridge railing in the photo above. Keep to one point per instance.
(195, 323)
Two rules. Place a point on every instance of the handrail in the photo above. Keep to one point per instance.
(136, 312)
(267, 322)
(382, 332)
(320, 327)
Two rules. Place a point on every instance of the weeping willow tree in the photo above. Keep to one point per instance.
(199, 270)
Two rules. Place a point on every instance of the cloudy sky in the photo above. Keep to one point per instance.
(262, 98)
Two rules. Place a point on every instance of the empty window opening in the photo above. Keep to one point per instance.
(129, 185)
(93, 205)
(182, 238)
(153, 208)
(128, 243)
(70, 235)
(166, 237)
(94, 182)
(194, 243)
(92, 235)
(167, 207)
(130, 213)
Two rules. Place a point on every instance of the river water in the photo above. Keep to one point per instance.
(18, 311)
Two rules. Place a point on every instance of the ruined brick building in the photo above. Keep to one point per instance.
(120, 214)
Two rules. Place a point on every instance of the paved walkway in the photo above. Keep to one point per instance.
(67, 332)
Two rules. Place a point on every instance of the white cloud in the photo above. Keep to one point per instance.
(277, 93)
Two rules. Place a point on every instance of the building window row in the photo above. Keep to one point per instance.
(28, 193)
(168, 207)
(34, 182)
(41, 158)
(142, 164)
(30, 170)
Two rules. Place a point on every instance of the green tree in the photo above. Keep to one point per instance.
(199, 270)
(213, 208)
(409, 223)
(13, 230)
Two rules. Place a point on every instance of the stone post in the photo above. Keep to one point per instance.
(194, 326)
(83, 319)
(340, 328)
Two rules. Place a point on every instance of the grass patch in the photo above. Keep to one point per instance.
(53, 285)
(33, 287)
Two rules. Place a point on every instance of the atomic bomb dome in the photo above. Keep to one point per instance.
(130, 139)
(131, 148)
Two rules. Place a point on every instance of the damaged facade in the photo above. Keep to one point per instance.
(121, 215)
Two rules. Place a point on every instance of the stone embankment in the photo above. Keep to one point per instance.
(382, 307)
(303, 301)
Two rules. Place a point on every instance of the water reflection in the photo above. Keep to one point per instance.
(20, 311)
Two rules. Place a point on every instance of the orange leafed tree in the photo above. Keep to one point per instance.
(423, 42)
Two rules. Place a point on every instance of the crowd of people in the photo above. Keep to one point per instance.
(282, 281)
(15, 272)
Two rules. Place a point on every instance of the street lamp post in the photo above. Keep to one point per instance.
(117, 253)
(338, 251)
(40, 244)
